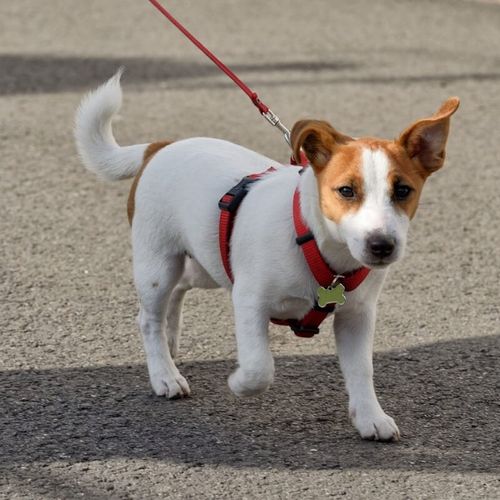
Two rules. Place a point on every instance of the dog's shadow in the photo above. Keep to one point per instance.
(443, 396)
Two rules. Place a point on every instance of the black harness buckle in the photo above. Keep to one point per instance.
(301, 330)
(232, 199)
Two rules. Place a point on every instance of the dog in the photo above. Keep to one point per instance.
(357, 196)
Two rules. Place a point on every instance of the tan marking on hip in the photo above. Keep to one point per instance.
(151, 150)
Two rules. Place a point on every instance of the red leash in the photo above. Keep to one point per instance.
(263, 109)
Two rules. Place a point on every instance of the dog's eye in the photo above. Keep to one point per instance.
(401, 192)
(346, 191)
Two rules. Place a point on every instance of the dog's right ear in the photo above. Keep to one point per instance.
(317, 139)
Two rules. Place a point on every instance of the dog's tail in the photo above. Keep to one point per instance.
(95, 142)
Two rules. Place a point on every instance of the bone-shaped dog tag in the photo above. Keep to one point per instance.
(331, 295)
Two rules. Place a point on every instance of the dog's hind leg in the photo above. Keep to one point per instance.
(256, 365)
(156, 272)
(174, 315)
(194, 276)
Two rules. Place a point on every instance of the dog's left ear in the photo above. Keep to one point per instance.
(425, 140)
(317, 139)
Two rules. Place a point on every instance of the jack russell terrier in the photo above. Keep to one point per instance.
(357, 197)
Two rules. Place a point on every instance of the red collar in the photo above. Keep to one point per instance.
(323, 274)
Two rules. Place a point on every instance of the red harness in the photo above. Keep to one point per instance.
(309, 324)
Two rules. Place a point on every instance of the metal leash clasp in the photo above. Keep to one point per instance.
(274, 120)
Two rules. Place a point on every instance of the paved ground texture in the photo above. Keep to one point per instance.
(77, 418)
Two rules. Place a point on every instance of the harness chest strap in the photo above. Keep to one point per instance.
(309, 324)
(228, 206)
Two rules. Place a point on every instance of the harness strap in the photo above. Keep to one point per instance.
(323, 274)
(229, 205)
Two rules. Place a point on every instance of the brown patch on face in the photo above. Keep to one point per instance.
(337, 160)
(151, 150)
(402, 170)
(406, 172)
(343, 169)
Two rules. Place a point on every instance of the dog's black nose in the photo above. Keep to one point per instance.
(380, 245)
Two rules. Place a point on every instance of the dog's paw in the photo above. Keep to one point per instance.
(172, 387)
(376, 426)
(244, 384)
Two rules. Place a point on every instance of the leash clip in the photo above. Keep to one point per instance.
(274, 120)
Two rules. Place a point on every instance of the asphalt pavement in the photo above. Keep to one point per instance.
(77, 417)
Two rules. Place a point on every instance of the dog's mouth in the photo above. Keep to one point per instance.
(366, 259)
(378, 264)
(374, 262)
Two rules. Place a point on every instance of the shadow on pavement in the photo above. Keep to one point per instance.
(39, 73)
(444, 397)
(43, 74)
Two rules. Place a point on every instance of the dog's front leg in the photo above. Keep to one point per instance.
(354, 332)
(256, 365)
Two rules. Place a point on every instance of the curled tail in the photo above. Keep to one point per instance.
(95, 142)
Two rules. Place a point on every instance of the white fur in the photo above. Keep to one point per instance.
(175, 247)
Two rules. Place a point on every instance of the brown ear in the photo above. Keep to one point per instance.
(425, 140)
(317, 139)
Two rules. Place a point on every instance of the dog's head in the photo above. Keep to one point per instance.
(369, 188)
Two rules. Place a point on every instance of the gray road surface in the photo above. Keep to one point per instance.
(77, 418)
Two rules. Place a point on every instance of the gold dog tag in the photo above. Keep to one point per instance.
(331, 295)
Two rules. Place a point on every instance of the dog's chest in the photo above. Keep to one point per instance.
(290, 308)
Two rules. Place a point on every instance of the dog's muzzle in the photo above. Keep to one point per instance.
(380, 249)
